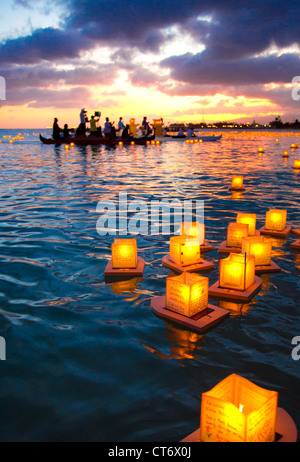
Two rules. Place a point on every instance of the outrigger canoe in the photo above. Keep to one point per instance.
(94, 141)
(202, 138)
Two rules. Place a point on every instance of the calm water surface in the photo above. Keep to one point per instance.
(89, 361)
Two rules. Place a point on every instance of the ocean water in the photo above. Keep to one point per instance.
(87, 360)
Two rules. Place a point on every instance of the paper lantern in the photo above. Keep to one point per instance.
(285, 154)
(237, 272)
(260, 149)
(187, 294)
(237, 182)
(276, 220)
(132, 143)
(237, 410)
(294, 146)
(193, 230)
(260, 247)
(124, 254)
(184, 251)
(235, 234)
(67, 147)
(297, 163)
(120, 143)
(248, 219)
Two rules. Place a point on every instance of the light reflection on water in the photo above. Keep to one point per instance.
(87, 360)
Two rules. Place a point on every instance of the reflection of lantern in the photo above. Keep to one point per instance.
(248, 219)
(237, 410)
(194, 231)
(184, 251)
(237, 272)
(187, 294)
(124, 254)
(297, 163)
(276, 220)
(237, 182)
(235, 234)
(259, 247)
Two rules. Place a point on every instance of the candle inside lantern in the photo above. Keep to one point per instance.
(187, 294)
(260, 247)
(276, 220)
(235, 234)
(184, 251)
(194, 230)
(124, 254)
(237, 272)
(225, 419)
(237, 182)
(248, 219)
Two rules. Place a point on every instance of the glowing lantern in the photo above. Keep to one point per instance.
(153, 142)
(193, 231)
(237, 272)
(237, 410)
(235, 234)
(72, 145)
(158, 143)
(184, 251)
(237, 182)
(297, 163)
(124, 253)
(187, 294)
(294, 146)
(147, 143)
(276, 220)
(261, 150)
(248, 219)
(67, 147)
(260, 248)
(132, 143)
(286, 154)
(120, 143)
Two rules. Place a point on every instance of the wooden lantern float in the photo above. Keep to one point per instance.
(185, 255)
(261, 248)
(186, 303)
(237, 280)
(296, 245)
(248, 219)
(237, 183)
(125, 260)
(196, 230)
(296, 164)
(239, 411)
(235, 234)
(275, 224)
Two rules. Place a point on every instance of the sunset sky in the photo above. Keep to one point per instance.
(183, 61)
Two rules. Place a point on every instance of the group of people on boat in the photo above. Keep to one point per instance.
(109, 132)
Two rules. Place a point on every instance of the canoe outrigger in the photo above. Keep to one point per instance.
(95, 141)
(202, 138)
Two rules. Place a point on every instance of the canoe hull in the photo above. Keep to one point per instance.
(90, 141)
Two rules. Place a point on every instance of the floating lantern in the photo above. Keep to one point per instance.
(237, 183)
(235, 234)
(276, 220)
(296, 164)
(124, 253)
(248, 219)
(259, 247)
(120, 143)
(237, 272)
(132, 143)
(67, 147)
(285, 154)
(294, 146)
(72, 145)
(261, 150)
(152, 142)
(157, 143)
(125, 261)
(147, 143)
(184, 251)
(187, 294)
(237, 410)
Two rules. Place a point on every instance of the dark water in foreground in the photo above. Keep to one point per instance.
(89, 361)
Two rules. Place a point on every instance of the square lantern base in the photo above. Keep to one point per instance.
(296, 232)
(200, 322)
(216, 291)
(285, 430)
(296, 245)
(272, 268)
(271, 232)
(202, 266)
(206, 247)
(110, 272)
(225, 249)
(237, 189)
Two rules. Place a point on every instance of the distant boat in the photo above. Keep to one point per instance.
(202, 138)
(94, 141)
